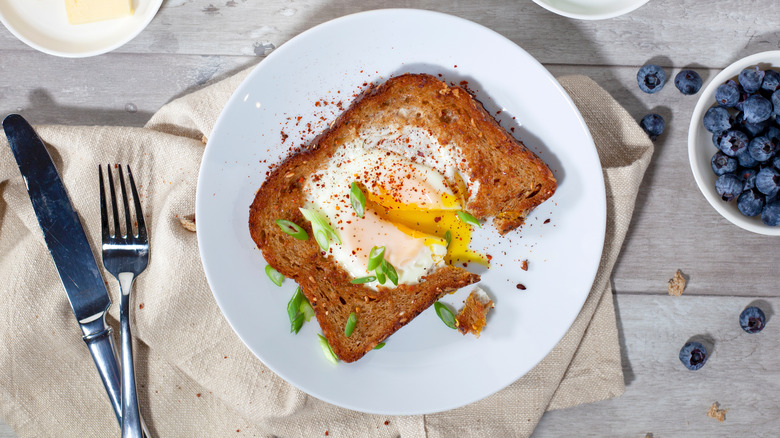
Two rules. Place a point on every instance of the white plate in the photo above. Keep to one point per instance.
(425, 367)
(43, 25)
(701, 149)
(590, 9)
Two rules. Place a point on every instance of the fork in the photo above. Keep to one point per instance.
(125, 256)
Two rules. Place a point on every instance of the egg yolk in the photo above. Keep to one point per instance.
(429, 223)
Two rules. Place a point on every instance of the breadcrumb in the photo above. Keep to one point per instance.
(188, 222)
(676, 284)
(717, 413)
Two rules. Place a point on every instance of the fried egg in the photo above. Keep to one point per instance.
(414, 188)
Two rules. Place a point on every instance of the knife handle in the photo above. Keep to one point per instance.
(100, 343)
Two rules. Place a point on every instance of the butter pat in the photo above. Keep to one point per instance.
(88, 11)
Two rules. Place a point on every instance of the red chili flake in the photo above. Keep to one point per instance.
(284, 137)
(141, 306)
(520, 286)
(197, 395)
(489, 257)
(387, 422)
(437, 219)
(327, 433)
(547, 221)
(524, 265)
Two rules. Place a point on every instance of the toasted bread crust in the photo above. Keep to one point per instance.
(451, 115)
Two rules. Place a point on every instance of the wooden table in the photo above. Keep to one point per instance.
(191, 43)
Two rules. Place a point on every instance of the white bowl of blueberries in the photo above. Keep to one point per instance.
(734, 143)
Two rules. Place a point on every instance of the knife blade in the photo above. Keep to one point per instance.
(69, 248)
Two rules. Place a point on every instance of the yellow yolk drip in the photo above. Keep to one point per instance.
(432, 224)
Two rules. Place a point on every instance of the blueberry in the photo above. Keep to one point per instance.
(722, 163)
(733, 142)
(751, 128)
(653, 124)
(751, 79)
(716, 119)
(761, 148)
(748, 176)
(776, 161)
(750, 202)
(728, 94)
(717, 137)
(756, 109)
(773, 133)
(771, 213)
(728, 186)
(752, 319)
(776, 102)
(768, 181)
(745, 159)
(693, 355)
(771, 81)
(651, 78)
(688, 82)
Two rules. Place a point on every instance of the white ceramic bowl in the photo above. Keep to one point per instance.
(590, 9)
(701, 149)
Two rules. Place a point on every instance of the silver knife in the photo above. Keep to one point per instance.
(69, 248)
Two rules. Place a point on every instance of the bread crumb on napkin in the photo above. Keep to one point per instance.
(188, 222)
(717, 413)
(676, 284)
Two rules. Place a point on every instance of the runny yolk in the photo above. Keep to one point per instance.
(429, 223)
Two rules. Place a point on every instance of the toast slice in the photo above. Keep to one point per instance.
(517, 181)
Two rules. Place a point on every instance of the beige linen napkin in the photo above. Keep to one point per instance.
(196, 378)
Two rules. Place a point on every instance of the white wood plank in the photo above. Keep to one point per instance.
(670, 31)
(664, 398)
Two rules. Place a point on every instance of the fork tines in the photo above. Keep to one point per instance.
(130, 231)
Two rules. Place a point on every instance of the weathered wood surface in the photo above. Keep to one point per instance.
(194, 42)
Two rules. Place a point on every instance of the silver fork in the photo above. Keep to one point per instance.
(125, 256)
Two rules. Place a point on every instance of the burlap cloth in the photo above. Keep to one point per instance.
(196, 378)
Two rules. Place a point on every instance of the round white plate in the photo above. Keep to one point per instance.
(425, 367)
(43, 25)
(590, 9)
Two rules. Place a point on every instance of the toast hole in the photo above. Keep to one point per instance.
(445, 116)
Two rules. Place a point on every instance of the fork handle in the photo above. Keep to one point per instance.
(131, 418)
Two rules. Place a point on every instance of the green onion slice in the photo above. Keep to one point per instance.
(445, 314)
(467, 218)
(274, 275)
(448, 237)
(296, 324)
(294, 304)
(375, 257)
(358, 199)
(379, 346)
(292, 229)
(361, 280)
(306, 309)
(351, 321)
(326, 350)
(389, 270)
(381, 276)
(322, 230)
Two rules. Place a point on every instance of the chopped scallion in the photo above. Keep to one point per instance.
(274, 275)
(351, 321)
(445, 314)
(292, 229)
(322, 230)
(389, 270)
(358, 199)
(468, 218)
(379, 346)
(326, 350)
(375, 257)
(361, 280)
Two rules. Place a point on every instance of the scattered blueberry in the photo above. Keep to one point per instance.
(651, 78)
(734, 142)
(728, 186)
(722, 163)
(770, 215)
(688, 82)
(752, 319)
(717, 119)
(751, 79)
(771, 81)
(768, 181)
(693, 355)
(728, 94)
(750, 202)
(762, 148)
(653, 124)
(756, 109)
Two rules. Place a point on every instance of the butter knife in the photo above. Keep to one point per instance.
(69, 249)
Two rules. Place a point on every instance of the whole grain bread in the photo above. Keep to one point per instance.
(512, 178)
